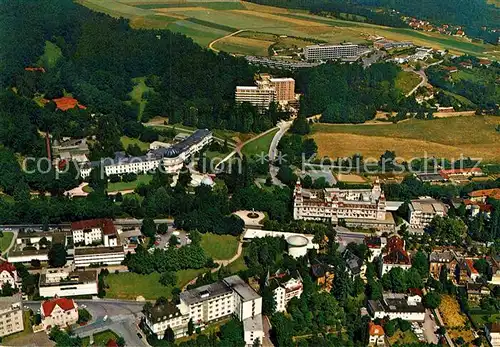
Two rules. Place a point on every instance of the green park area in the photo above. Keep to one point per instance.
(129, 285)
(406, 81)
(126, 141)
(119, 186)
(219, 247)
(101, 339)
(259, 146)
(5, 240)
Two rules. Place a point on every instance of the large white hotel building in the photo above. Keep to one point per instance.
(356, 207)
(267, 89)
(327, 52)
(172, 158)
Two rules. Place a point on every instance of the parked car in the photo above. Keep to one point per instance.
(139, 335)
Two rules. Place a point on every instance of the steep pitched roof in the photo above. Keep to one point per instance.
(6, 266)
(375, 330)
(66, 103)
(49, 305)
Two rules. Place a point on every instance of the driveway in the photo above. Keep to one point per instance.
(429, 327)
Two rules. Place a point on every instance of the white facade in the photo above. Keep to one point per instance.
(332, 204)
(11, 315)
(422, 211)
(386, 267)
(160, 317)
(172, 158)
(87, 236)
(64, 282)
(326, 52)
(253, 330)
(59, 312)
(394, 306)
(8, 274)
(287, 291)
(85, 257)
(260, 97)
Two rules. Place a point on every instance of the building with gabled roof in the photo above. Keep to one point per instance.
(67, 103)
(95, 231)
(61, 312)
(8, 274)
(440, 258)
(285, 287)
(395, 255)
(376, 335)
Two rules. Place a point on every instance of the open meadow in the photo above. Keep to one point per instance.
(445, 138)
(206, 21)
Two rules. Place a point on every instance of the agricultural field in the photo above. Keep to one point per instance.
(444, 138)
(350, 178)
(219, 247)
(206, 21)
(406, 81)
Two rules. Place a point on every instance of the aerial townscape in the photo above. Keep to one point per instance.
(225, 173)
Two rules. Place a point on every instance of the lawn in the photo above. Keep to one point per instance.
(5, 240)
(51, 54)
(100, 339)
(126, 141)
(238, 265)
(137, 94)
(444, 138)
(129, 285)
(406, 81)
(403, 338)
(219, 247)
(119, 186)
(481, 318)
(259, 146)
(243, 45)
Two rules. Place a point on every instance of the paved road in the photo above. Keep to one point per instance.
(273, 151)
(430, 327)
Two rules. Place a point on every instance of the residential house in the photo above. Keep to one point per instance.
(495, 267)
(483, 194)
(285, 287)
(473, 273)
(8, 274)
(440, 258)
(164, 315)
(61, 312)
(477, 291)
(375, 245)
(376, 335)
(492, 333)
(11, 315)
(324, 274)
(395, 255)
(355, 265)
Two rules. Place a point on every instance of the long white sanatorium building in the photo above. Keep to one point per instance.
(211, 303)
(357, 207)
(172, 158)
(327, 52)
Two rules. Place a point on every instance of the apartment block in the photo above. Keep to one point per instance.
(397, 305)
(328, 52)
(267, 89)
(11, 315)
(423, 210)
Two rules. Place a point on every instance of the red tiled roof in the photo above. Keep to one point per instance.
(482, 207)
(66, 103)
(491, 193)
(395, 242)
(6, 266)
(49, 305)
(446, 173)
(470, 265)
(416, 291)
(484, 62)
(34, 68)
(111, 343)
(450, 68)
(375, 330)
(107, 225)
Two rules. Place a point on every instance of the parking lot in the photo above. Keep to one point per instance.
(162, 240)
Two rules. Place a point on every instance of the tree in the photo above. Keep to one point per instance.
(195, 237)
(432, 300)
(300, 126)
(162, 229)
(7, 289)
(169, 335)
(83, 316)
(173, 241)
(190, 327)
(421, 264)
(168, 278)
(256, 342)
(184, 178)
(120, 341)
(268, 302)
(148, 227)
(57, 255)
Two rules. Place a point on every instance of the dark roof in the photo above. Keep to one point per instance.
(373, 242)
(430, 177)
(163, 312)
(205, 292)
(98, 250)
(353, 262)
(395, 303)
(106, 225)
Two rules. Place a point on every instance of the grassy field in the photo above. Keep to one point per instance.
(129, 285)
(51, 54)
(404, 338)
(406, 81)
(137, 94)
(5, 240)
(126, 141)
(100, 339)
(115, 187)
(216, 19)
(219, 247)
(238, 264)
(259, 146)
(444, 138)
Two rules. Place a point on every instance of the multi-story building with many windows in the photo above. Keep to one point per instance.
(66, 282)
(95, 231)
(11, 315)
(285, 288)
(423, 210)
(327, 52)
(171, 158)
(210, 303)
(267, 89)
(356, 207)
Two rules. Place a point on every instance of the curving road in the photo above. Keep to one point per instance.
(211, 44)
